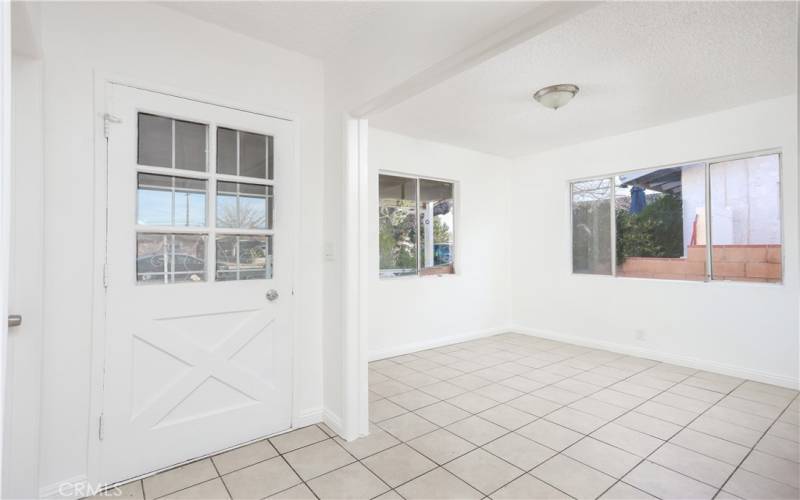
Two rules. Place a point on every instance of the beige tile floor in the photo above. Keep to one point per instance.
(519, 417)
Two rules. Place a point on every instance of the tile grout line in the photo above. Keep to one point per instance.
(477, 415)
(502, 352)
(355, 460)
(744, 459)
(643, 370)
(674, 383)
(608, 386)
(548, 413)
(214, 464)
(665, 442)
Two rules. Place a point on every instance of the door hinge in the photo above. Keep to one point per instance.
(105, 275)
(100, 428)
(108, 120)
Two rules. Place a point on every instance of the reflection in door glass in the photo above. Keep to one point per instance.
(170, 258)
(154, 200)
(244, 206)
(190, 202)
(244, 257)
(164, 200)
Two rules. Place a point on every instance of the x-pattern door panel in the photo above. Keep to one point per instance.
(197, 356)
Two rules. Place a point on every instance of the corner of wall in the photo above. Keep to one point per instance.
(675, 359)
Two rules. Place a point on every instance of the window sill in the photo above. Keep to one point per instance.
(432, 272)
(684, 282)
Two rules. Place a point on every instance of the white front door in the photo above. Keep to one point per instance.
(198, 337)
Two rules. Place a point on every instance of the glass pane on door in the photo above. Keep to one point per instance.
(244, 257)
(244, 206)
(244, 154)
(170, 258)
(190, 146)
(168, 143)
(227, 151)
(164, 200)
(155, 141)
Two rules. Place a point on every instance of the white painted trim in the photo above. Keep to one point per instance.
(362, 390)
(22, 418)
(676, 359)
(307, 417)
(5, 205)
(355, 381)
(430, 344)
(152, 86)
(53, 490)
(297, 292)
(333, 421)
(102, 86)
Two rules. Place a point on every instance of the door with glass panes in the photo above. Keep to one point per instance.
(198, 293)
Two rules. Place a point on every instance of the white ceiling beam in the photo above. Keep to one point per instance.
(541, 18)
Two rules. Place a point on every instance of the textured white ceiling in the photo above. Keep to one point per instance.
(377, 44)
(339, 30)
(638, 65)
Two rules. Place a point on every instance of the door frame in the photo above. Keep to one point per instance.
(103, 83)
(5, 208)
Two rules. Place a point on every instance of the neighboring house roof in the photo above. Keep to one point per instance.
(624, 202)
(663, 180)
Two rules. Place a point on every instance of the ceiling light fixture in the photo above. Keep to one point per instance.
(556, 96)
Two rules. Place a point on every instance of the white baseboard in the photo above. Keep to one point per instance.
(71, 487)
(333, 421)
(307, 417)
(430, 344)
(676, 359)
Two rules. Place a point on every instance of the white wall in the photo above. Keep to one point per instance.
(152, 44)
(21, 446)
(744, 328)
(411, 313)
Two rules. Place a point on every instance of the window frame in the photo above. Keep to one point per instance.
(210, 174)
(457, 207)
(707, 163)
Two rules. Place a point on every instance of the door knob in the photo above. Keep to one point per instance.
(272, 295)
(14, 320)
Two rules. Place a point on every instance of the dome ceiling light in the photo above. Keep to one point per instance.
(556, 96)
